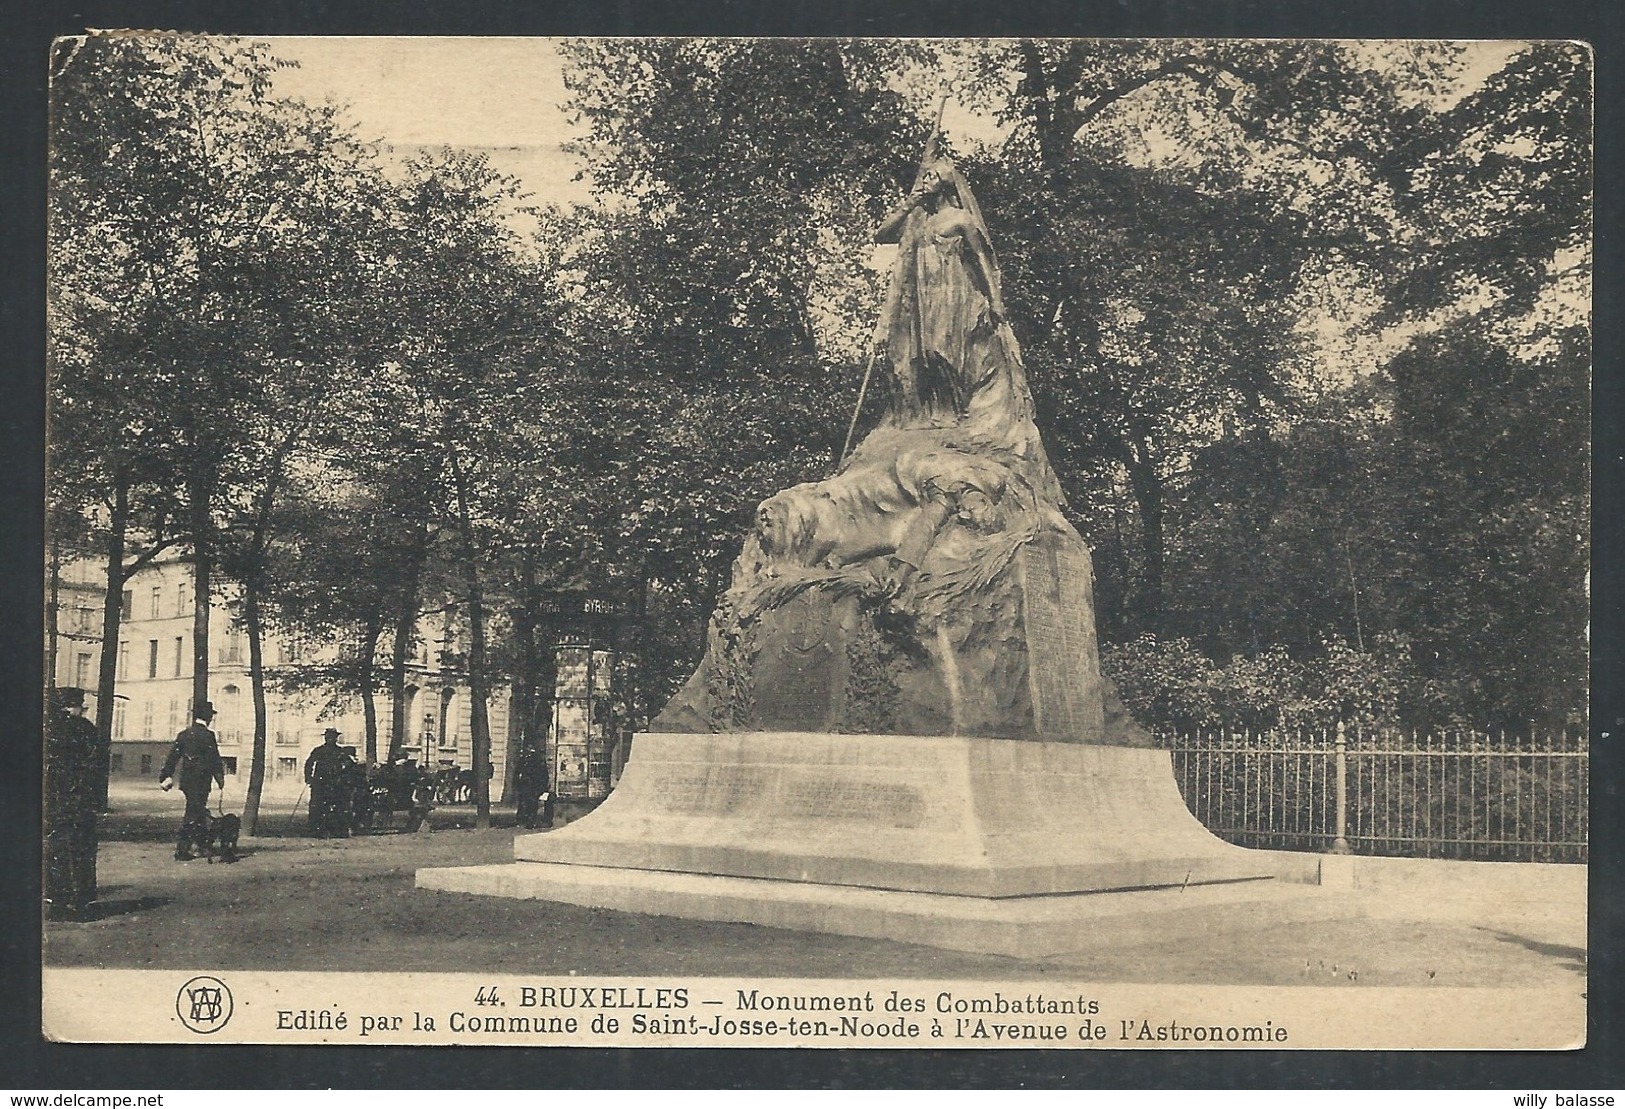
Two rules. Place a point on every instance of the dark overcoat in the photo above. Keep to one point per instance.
(194, 760)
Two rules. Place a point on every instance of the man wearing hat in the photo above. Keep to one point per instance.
(194, 762)
(72, 800)
(327, 772)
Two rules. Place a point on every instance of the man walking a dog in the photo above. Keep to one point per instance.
(194, 762)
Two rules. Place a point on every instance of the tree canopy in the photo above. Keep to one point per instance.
(1305, 322)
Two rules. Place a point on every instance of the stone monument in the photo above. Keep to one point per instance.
(931, 586)
(900, 727)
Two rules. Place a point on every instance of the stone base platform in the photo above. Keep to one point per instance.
(989, 845)
(921, 814)
(1023, 927)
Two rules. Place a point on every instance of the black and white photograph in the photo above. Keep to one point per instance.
(818, 543)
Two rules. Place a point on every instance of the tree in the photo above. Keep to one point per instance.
(1158, 319)
(725, 291)
(473, 337)
(217, 234)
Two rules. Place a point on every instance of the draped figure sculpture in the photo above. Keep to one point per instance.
(932, 585)
(953, 359)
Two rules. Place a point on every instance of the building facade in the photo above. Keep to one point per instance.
(154, 684)
(74, 630)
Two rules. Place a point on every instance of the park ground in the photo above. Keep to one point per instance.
(294, 903)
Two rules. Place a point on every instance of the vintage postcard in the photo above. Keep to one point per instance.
(818, 543)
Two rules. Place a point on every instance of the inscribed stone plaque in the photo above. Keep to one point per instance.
(801, 669)
(1063, 656)
(718, 788)
(843, 798)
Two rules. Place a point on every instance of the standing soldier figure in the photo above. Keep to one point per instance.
(72, 801)
(196, 758)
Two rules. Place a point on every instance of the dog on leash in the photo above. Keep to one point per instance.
(220, 839)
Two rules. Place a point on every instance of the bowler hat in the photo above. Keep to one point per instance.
(331, 733)
(69, 697)
(204, 710)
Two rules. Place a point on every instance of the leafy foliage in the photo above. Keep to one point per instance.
(1305, 324)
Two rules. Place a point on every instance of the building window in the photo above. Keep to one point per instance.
(232, 649)
(146, 718)
(284, 736)
(81, 670)
(146, 765)
(448, 730)
(118, 720)
(286, 768)
(115, 762)
(123, 660)
(230, 720)
(181, 599)
(180, 653)
(230, 763)
(157, 601)
(127, 605)
(152, 658)
(174, 715)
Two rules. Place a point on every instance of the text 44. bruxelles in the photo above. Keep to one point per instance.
(751, 1001)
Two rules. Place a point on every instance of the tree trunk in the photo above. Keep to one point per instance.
(112, 613)
(1049, 118)
(53, 605)
(522, 705)
(369, 707)
(256, 682)
(478, 723)
(1148, 494)
(406, 620)
(199, 492)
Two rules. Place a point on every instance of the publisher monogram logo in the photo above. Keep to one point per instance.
(204, 1004)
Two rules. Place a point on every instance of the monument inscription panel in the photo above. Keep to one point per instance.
(873, 803)
(801, 669)
(1063, 658)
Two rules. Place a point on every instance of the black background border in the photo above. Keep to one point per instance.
(28, 1062)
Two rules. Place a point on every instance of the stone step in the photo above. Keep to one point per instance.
(1024, 927)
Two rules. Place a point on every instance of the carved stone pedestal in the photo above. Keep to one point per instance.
(974, 844)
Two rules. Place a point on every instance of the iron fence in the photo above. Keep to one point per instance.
(1457, 795)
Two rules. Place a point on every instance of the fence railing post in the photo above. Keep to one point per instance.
(1340, 749)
